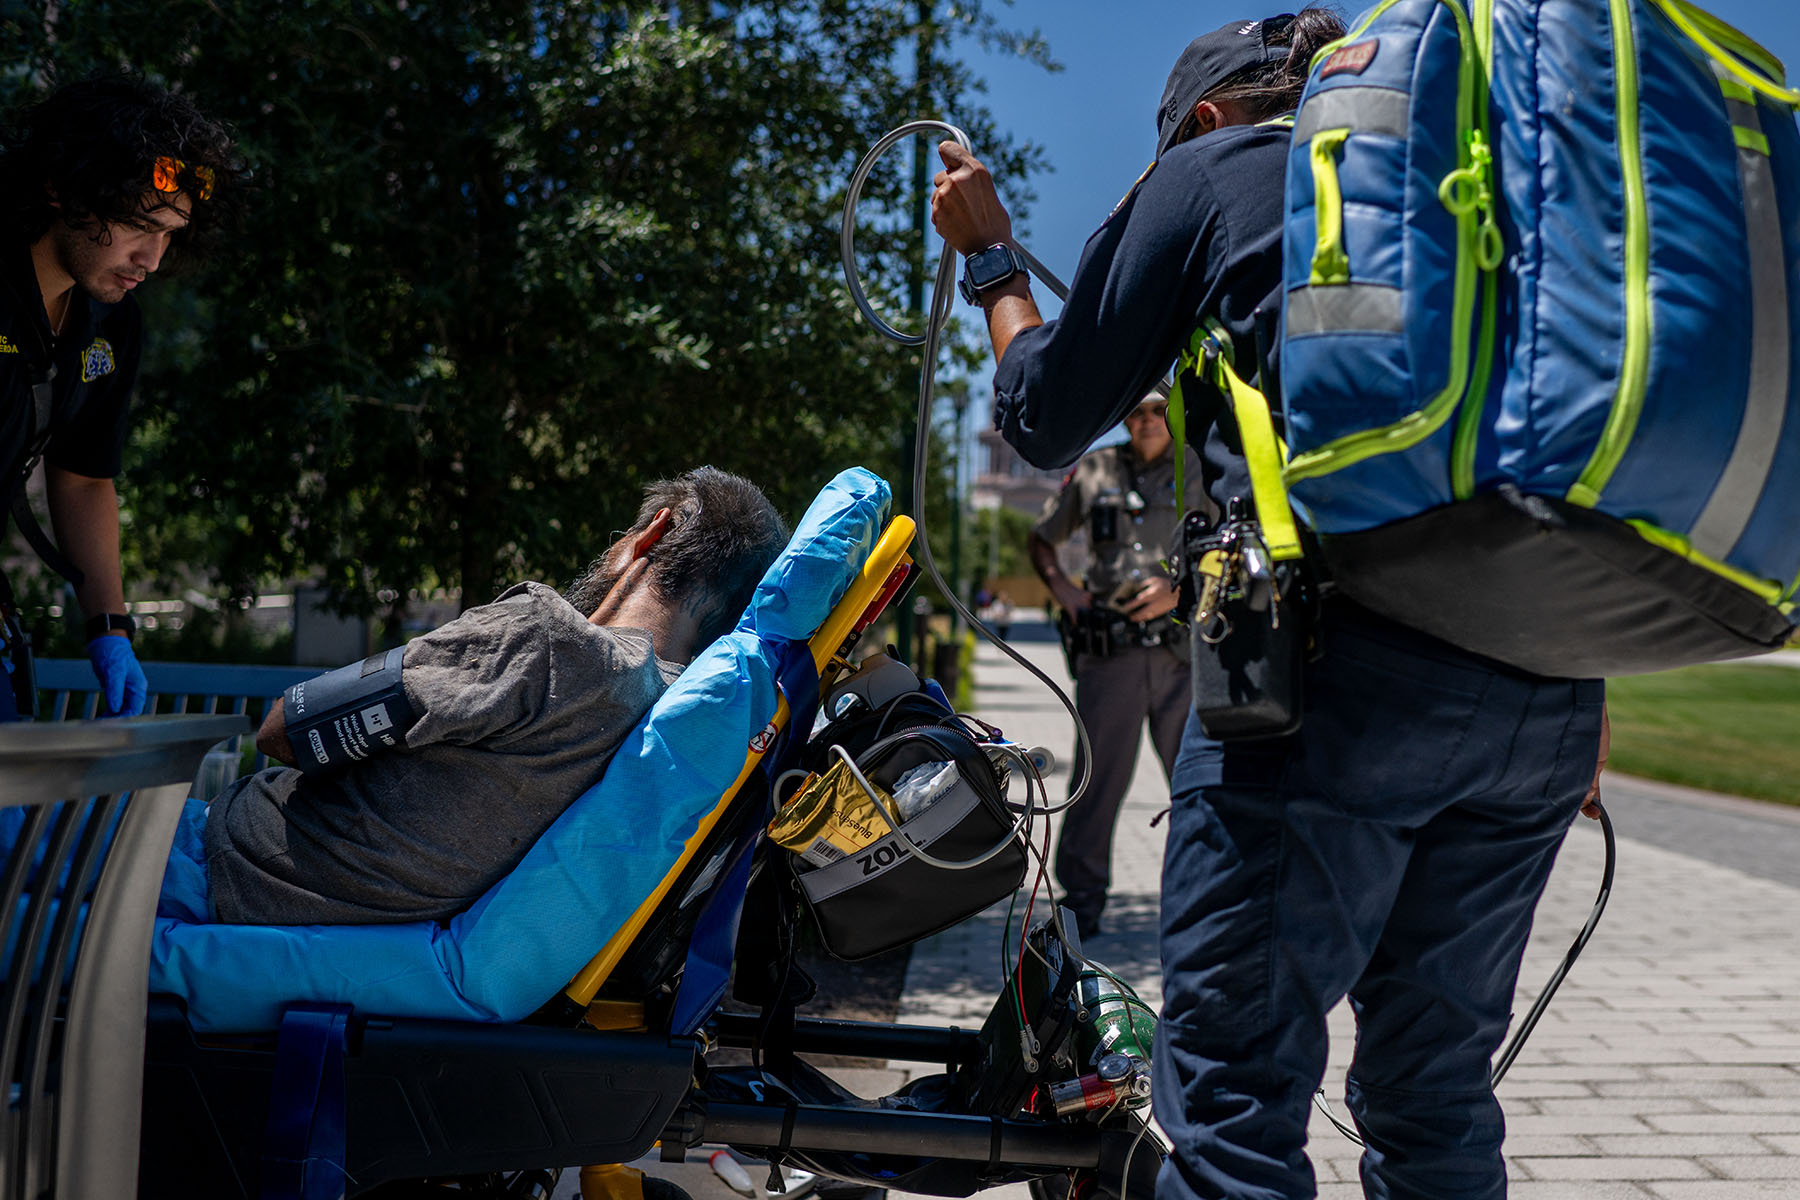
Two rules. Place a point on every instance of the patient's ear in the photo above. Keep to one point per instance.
(633, 568)
(661, 523)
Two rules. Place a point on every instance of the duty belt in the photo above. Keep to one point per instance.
(1106, 631)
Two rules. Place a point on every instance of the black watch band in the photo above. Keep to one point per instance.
(989, 268)
(105, 623)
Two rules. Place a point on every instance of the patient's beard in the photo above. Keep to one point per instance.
(593, 585)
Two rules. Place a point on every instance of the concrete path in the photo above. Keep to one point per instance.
(1668, 1066)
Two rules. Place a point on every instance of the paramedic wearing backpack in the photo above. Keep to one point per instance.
(104, 179)
(1394, 848)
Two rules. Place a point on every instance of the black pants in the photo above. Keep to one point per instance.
(1115, 696)
(1392, 850)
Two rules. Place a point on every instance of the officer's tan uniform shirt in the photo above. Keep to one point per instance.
(1147, 516)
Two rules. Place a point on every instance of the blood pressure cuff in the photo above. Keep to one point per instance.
(346, 715)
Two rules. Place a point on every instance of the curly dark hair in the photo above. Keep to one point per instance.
(86, 154)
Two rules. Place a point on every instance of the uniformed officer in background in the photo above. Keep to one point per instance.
(1128, 655)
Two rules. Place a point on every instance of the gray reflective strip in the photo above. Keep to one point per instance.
(1740, 487)
(1343, 308)
(1359, 109)
(1744, 116)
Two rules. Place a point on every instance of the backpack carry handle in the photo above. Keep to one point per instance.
(1703, 28)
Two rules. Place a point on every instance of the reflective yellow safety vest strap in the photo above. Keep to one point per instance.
(1177, 419)
(1208, 356)
(1265, 453)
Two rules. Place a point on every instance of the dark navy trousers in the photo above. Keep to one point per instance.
(1115, 696)
(1393, 851)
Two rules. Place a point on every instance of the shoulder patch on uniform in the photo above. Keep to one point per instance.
(7, 346)
(1353, 59)
(97, 360)
(1129, 192)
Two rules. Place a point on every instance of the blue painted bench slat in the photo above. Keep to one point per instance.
(67, 690)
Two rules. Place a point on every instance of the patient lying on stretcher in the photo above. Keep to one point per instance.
(420, 777)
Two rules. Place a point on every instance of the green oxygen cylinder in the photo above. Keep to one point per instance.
(1111, 1020)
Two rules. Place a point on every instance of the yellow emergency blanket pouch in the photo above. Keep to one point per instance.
(831, 817)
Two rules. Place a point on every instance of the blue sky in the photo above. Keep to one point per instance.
(1095, 118)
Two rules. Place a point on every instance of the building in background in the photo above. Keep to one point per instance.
(1008, 483)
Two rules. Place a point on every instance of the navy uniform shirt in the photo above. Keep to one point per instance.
(1200, 235)
(96, 365)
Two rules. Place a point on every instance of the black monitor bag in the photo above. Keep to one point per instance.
(884, 896)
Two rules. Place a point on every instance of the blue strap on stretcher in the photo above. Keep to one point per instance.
(304, 1139)
(710, 950)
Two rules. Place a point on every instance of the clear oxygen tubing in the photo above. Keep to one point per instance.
(942, 294)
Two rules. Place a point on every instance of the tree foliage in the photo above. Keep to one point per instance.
(507, 260)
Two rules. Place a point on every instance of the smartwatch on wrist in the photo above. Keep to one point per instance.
(105, 623)
(989, 268)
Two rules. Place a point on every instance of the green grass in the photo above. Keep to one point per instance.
(1733, 729)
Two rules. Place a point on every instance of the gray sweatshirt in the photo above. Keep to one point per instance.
(524, 703)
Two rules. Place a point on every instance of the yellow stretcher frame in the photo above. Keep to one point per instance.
(863, 601)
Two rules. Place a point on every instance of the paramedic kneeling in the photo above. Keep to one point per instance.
(1394, 848)
(426, 773)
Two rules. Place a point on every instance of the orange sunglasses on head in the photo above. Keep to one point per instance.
(166, 172)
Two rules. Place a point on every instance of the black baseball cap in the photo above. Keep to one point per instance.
(1210, 60)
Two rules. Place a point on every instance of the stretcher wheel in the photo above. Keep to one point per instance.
(1102, 1183)
(1087, 1186)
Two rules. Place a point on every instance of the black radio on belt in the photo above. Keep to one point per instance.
(1249, 624)
(1107, 631)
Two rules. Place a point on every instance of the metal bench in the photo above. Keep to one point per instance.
(67, 691)
(97, 805)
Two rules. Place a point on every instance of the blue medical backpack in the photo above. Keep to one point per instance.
(1542, 309)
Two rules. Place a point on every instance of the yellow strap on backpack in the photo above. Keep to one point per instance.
(1208, 356)
(1708, 32)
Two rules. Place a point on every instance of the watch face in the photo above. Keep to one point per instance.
(990, 266)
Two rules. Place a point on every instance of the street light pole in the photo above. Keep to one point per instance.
(915, 289)
(956, 511)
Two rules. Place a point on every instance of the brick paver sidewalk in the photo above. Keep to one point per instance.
(1668, 1066)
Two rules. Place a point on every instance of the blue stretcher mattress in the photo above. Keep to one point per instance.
(522, 941)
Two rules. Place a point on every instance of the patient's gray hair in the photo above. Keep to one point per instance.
(725, 535)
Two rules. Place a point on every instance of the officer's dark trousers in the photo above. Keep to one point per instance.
(1392, 850)
(1115, 695)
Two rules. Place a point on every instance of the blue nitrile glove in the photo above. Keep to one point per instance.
(122, 684)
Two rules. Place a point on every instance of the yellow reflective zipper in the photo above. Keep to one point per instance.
(1766, 590)
(1468, 423)
(1634, 361)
